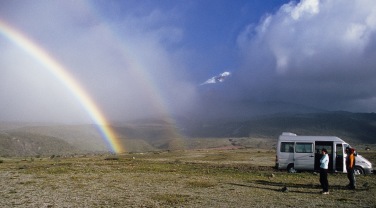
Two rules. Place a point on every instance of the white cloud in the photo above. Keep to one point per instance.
(306, 46)
(304, 8)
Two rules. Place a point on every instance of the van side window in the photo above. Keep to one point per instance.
(287, 146)
(303, 147)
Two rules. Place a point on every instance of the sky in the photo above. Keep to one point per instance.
(137, 59)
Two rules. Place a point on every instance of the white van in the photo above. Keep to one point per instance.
(304, 153)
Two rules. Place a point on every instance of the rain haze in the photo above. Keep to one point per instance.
(139, 59)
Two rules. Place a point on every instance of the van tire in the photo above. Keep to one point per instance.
(358, 170)
(291, 169)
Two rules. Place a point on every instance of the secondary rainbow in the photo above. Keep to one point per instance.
(63, 75)
(138, 69)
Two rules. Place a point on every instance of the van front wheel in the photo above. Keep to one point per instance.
(291, 169)
(358, 170)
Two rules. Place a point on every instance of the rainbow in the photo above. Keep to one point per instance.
(138, 70)
(58, 70)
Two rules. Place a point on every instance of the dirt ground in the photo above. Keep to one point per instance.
(196, 178)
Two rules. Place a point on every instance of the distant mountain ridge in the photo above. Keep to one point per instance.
(351, 126)
(158, 134)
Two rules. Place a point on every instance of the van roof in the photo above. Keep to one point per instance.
(286, 136)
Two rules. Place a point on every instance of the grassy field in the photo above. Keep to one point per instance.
(190, 178)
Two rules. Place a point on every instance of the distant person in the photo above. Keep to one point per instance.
(324, 164)
(350, 165)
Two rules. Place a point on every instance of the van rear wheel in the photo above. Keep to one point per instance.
(291, 169)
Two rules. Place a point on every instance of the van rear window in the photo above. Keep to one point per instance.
(287, 146)
(304, 147)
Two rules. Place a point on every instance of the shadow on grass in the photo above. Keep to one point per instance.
(291, 187)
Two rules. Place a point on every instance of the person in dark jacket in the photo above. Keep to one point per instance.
(350, 165)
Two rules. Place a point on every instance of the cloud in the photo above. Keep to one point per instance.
(219, 78)
(28, 93)
(142, 59)
(317, 53)
(124, 64)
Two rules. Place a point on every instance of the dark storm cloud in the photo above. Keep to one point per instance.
(317, 53)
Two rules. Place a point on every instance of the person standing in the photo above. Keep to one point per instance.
(324, 164)
(350, 165)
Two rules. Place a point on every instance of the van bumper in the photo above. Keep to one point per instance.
(369, 171)
(372, 171)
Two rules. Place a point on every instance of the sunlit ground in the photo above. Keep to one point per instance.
(194, 178)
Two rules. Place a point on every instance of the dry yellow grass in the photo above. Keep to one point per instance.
(191, 178)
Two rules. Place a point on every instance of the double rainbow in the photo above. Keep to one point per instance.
(59, 71)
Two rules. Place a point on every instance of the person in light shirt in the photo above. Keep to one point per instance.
(324, 163)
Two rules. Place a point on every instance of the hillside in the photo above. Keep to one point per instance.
(28, 144)
(82, 137)
(157, 135)
(359, 127)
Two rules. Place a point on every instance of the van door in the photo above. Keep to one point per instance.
(318, 147)
(340, 159)
(304, 158)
